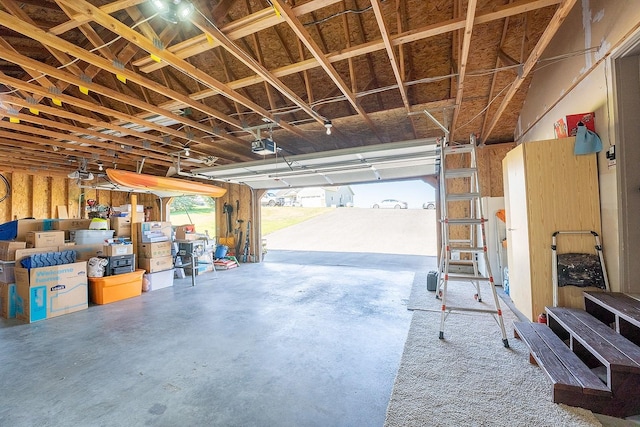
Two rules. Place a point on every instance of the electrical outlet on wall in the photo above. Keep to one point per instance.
(611, 156)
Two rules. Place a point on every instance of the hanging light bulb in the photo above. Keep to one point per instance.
(186, 152)
(174, 11)
(100, 167)
(328, 125)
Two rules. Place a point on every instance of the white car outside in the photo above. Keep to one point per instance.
(390, 204)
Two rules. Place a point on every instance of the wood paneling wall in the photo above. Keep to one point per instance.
(489, 159)
(37, 196)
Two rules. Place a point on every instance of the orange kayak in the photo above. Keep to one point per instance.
(163, 184)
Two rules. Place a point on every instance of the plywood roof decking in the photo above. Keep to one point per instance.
(284, 67)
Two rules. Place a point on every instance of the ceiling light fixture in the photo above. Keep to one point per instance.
(186, 152)
(174, 11)
(100, 167)
(328, 125)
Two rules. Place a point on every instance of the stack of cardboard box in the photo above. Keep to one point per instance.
(155, 254)
(52, 283)
(7, 277)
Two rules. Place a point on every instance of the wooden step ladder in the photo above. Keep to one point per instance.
(463, 230)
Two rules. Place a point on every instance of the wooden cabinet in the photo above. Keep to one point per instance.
(547, 188)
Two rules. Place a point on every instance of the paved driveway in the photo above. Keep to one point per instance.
(390, 231)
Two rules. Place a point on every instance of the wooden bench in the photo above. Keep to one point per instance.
(573, 382)
(596, 344)
(616, 309)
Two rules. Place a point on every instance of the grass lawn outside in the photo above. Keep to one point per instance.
(278, 217)
(273, 219)
(204, 220)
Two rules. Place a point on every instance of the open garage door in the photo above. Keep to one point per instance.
(363, 228)
(333, 222)
(382, 162)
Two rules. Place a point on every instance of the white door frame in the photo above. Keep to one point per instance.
(625, 102)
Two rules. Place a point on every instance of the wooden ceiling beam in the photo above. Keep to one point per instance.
(128, 100)
(105, 141)
(92, 145)
(238, 29)
(553, 26)
(267, 18)
(46, 38)
(98, 124)
(53, 140)
(42, 80)
(134, 37)
(373, 46)
(494, 77)
(464, 57)
(15, 8)
(33, 157)
(255, 66)
(372, 71)
(384, 31)
(314, 49)
(62, 75)
(89, 106)
(79, 19)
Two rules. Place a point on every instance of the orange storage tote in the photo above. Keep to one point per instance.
(104, 290)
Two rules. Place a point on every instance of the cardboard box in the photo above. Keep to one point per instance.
(589, 120)
(69, 224)
(18, 229)
(84, 252)
(158, 280)
(121, 226)
(8, 249)
(117, 249)
(21, 253)
(153, 265)
(105, 290)
(7, 271)
(154, 250)
(184, 232)
(154, 231)
(190, 237)
(41, 239)
(8, 300)
(66, 225)
(47, 292)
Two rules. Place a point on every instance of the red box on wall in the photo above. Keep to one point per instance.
(589, 120)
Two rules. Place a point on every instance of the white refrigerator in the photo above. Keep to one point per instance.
(496, 233)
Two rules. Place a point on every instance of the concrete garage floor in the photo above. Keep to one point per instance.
(303, 339)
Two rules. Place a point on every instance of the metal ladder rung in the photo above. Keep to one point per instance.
(464, 221)
(457, 149)
(473, 249)
(477, 310)
(459, 277)
(456, 197)
(459, 262)
(460, 173)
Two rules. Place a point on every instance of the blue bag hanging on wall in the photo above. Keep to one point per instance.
(587, 141)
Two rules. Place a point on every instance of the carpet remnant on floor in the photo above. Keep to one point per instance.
(470, 378)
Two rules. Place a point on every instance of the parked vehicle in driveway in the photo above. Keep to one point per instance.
(269, 199)
(429, 205)
(390, 204)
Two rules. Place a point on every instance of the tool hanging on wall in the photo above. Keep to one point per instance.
(238, 237)
(245, 253)
(227, 209)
